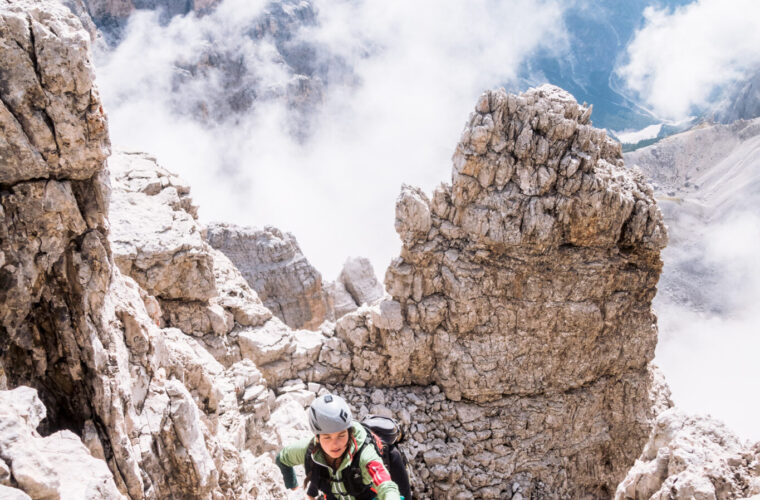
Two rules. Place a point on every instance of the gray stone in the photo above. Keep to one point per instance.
(53, 123)
(692, 457)
(273, 265)
(358, 278)
(154, 235)
(5, 473)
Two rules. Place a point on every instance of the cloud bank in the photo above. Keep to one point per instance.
(709, 357)
(417, 69)
(681, 59)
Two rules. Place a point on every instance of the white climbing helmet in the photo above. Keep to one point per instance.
(329, 414)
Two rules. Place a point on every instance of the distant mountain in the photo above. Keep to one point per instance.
(599, 32)
(703, 178)
(742, 101)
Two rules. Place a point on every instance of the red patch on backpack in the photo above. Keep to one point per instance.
(377, 472)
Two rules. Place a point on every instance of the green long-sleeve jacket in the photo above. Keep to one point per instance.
(373, 471)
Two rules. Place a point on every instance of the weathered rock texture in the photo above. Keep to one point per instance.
(272, 263)
(523, 291)
(168, 418)
(543, 249)
(52, 236)
(154, 234)
(50, 113)
(359, 280)
(692, 458)
(525, 287)
(49, 467)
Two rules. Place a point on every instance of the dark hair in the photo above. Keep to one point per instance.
(318, 446)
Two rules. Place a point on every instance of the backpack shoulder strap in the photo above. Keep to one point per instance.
(381, 447)
(317, 477)
(308, 462)
(354, 481)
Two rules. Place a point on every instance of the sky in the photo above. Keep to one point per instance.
(414, 73)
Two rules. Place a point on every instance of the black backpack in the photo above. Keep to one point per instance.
(384, 434)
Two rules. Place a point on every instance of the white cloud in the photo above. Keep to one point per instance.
(419, 66)
(710, 359)
(634, 136)
(680, 58)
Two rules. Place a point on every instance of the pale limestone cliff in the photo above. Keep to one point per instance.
(690, 457)
(272, 263)
(167, 418)
(515, 343)
(523, 291)
(359, 280)
(46, 467)
(536, 323)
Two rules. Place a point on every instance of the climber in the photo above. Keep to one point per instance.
(341, 460)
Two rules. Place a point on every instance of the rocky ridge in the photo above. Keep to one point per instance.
(273, 264)
(45, 467)
(542, 249)
(692, 457)
(170, 419)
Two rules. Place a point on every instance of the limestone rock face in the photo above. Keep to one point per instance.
(79, 9)
(272, 263)
(460, 449)
(520, 307)
(169, 413)
(157, 241)
(52, 201)
(530, 277)
(543, 244)
(359, 280)
(154, 234)
(340, 299)
(692, 457)
(46, 467)
(53, 124)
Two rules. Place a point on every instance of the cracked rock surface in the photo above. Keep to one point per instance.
(46, 467)
(166, 418)
(692, 457)
(51, 117)
(515, 342)
(527, 283)
(157, 242)
(272, 263)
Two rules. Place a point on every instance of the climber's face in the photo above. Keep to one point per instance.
(334, 444)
